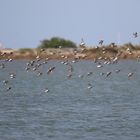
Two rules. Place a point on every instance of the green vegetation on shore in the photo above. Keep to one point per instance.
(56, 42)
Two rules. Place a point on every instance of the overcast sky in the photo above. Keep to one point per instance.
(24, 23)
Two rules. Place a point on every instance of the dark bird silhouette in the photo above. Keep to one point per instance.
(108, 73)
(50, 70)
(135, 34)
(101, 42)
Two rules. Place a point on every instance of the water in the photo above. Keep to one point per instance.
(109, 110)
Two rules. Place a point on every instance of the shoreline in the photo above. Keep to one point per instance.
(69, 53)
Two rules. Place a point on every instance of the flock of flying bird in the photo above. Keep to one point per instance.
(34, 65)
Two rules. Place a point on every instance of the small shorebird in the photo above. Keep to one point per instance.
(82, 42)
(8, 88)
(117, 70)
(2, 66)
(5, 82)
(99, 66)
(80, 76)
(39, 73)
(89, 86)
(89, 73)
(50, 70)
(101, 42)
(112, 44)
(27, 69)
(108, 73)
(69, 75)
(135, 34)
(70, 69)
(12, 75)
(130, 75)
(46, 90)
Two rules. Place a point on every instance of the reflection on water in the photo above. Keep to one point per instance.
(70, 110)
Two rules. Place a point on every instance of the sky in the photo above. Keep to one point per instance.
(24, 23)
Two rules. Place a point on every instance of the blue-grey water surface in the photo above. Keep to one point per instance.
(110, 110)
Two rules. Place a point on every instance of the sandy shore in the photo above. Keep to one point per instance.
(69, 53)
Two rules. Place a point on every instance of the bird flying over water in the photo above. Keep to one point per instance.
(50, 70)
(130, 75)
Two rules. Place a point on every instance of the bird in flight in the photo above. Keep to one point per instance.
(101, 42)
(135, 34)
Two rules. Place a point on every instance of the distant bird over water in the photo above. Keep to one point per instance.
(89, 86)
(46, 90)
(50, 70)
(130, 75)
(8, 88)
(108, 73)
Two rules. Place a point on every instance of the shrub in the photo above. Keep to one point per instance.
(56, 42)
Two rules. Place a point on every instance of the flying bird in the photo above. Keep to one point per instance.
(130, 75)
(101, 42)
(135, 34)
(82, 44)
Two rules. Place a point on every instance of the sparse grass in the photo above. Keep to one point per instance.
(25, 50)
(111, 49)
(130, 46)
